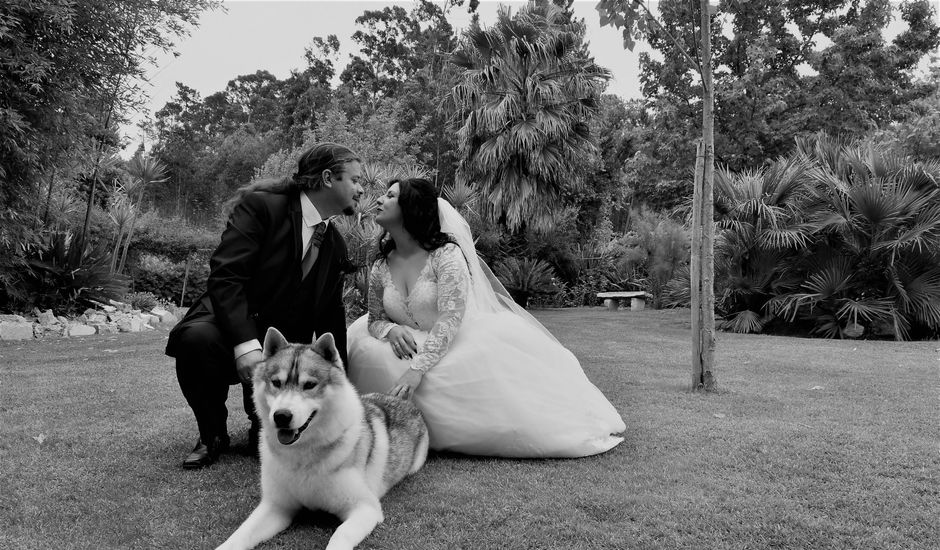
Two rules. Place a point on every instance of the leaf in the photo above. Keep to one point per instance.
(628, 41)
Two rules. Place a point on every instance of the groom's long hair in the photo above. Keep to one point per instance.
(310, 167)
(417, 198)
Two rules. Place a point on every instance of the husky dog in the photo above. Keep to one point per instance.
(324, 448)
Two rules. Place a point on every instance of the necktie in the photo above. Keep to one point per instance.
(313, 249)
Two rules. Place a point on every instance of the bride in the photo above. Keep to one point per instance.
(489, 378)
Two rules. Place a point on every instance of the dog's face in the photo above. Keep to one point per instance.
(293, 383)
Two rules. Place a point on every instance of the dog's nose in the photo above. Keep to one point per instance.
(282, 418)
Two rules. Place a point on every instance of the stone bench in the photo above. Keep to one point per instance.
(613, 300)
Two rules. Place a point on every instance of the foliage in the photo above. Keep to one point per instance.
(18, 242)
(761, 217)
(649, 255)
(527, 92)
(918, 135)
(166, 279)
(65, 277)
(172, 238)
(782, 68)
(144, 301)
(142, 172)
(836, 237)
(525, 277)
(374, 136)
(68, 73)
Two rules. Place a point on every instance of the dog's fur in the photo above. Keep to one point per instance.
(324, 448)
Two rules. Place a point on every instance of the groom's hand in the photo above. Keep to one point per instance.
(245, 365)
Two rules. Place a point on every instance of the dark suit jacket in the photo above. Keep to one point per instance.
(255, 277)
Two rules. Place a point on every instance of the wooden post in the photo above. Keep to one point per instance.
(695, 270)
(189, 262)
(703, 231)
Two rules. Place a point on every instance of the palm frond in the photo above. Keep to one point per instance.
(744, 322)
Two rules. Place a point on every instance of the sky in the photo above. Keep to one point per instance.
(249, 35)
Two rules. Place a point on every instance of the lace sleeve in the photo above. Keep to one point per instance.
(379, 323)
(453, 287)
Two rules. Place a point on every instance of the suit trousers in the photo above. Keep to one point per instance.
(205, 368)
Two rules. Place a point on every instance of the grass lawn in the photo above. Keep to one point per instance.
(810, 444)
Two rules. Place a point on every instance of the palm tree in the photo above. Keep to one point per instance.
(874, 263)
(526, 94)
(761, 227)
(144, 171)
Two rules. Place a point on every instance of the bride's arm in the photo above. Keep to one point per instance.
(453, 287)
(379, 323)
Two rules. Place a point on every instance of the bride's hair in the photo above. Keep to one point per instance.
(417, 198)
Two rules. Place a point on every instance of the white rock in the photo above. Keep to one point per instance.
(165, 316)
(46, 317)
(16, 330)
(80, 329)
(12, 319)
(109, 309)
(131, 324)
(120, 305)
(106, 328)
(96, 318)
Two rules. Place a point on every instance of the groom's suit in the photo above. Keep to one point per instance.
(255, 282)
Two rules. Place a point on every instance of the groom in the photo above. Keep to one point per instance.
(280, 263)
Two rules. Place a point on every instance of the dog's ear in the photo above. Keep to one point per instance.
(314, 339)
(273, 341)
(326, 346)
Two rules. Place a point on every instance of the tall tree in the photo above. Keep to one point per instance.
(783, 68)
(527, 92)
(635, 18)
(404, 56)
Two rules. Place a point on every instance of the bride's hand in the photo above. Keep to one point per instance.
(407, 384)
(403, 345)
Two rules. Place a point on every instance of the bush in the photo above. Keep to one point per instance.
(525, 278)
(165, 278)
(68, 279)
(18, 240)
(172, 238)
(144, 301)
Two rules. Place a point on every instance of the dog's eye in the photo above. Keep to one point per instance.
(309, 385)
(275, 382)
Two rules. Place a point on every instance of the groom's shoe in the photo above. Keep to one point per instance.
(205, 453)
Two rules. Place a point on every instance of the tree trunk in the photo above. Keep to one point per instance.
(703, 232)
(45, 214)
(136, 208)
(91, 203)
(117, 247)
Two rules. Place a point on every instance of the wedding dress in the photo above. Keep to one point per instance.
(497, 382)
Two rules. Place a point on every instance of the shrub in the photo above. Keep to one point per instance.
(18, 241)
(165, 278)
(68, 279)
(526, 277)
(144, 301)
(172, 238)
